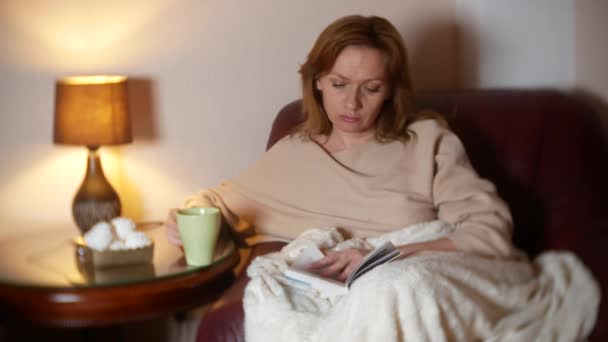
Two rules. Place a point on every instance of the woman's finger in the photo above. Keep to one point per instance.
(175, 241)
(172, 231)
(174, 237)
(346, 272)
(352, 256)
(324, 262)
(172, 217)
(334, 268)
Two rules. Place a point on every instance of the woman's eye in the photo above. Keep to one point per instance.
(373, 90)
(337, 85)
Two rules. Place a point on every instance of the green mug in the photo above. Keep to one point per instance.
(199, 229)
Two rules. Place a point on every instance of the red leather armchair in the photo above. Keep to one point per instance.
(548, 156)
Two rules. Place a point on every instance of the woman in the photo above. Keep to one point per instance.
(358, 97)
(363, 161)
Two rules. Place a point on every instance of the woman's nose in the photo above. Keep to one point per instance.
(353, 100)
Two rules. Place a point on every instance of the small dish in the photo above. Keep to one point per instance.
(111, 258)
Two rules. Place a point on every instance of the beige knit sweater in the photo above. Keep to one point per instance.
(366, 190)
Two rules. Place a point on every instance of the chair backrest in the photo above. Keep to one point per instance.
(544, 150)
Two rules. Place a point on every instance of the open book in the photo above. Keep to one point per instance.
(330, 287)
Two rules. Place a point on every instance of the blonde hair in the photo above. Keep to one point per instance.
(397, 112)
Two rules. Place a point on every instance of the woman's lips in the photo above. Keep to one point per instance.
(350, 119)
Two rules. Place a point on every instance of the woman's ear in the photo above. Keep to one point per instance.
(318, 84)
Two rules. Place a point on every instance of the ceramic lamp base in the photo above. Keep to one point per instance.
(96, 200)
(90, 211)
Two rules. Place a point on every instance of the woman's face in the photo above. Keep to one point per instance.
(354, 90)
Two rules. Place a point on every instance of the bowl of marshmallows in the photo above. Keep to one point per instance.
(116, 242)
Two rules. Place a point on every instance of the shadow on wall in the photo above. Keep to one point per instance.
(143, 110)
(468, 55)
(131, 200)
(446, 54)
(144, 128)
(443, 54)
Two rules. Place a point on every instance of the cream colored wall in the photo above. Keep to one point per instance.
(209, 78)
(516, 43)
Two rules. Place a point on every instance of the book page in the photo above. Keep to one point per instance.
(383, 253)
(382, 259)
(326, 286)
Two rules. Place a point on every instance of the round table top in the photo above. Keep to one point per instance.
(44, 278)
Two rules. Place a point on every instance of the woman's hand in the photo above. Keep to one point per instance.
(172, 231)
(340, 264)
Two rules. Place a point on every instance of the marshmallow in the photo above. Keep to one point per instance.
(122, 236)
(117, 245)
(99, 236)
(123, 226)
(137, 240)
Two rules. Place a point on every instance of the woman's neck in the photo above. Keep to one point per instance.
(339, 141)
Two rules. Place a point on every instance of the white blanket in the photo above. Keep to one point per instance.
(431, 296)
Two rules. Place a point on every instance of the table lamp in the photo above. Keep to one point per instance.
(92, 111)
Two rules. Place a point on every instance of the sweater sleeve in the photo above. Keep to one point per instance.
(482, 220)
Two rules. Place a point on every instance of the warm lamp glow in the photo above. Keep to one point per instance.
(131, 176)
(83, 35)
(63, 166)
(99, 79)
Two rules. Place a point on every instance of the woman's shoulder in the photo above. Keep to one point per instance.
(436, 137)
(429, 129)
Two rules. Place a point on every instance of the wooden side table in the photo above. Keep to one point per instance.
(42, 281)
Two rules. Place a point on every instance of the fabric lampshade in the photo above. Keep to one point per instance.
(92, 111)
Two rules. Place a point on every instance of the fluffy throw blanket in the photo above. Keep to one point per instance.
(431, 296)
